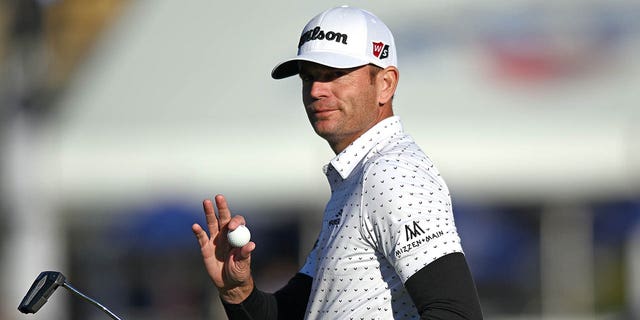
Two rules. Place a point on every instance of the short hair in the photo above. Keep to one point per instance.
(373, 72)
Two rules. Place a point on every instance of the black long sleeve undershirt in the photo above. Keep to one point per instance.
(444, 289)
(290, 302)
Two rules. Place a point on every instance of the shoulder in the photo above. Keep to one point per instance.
(399, 158)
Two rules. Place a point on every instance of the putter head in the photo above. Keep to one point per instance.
(41, 289)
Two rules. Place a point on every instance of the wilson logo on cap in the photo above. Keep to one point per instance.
(380, 50)
(319, 34)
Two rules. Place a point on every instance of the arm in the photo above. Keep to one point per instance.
(444, 289)
(290, 302)
(230, 270)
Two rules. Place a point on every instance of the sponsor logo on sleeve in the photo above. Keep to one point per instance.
(416, 236)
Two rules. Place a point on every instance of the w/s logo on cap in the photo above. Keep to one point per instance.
(380, 50)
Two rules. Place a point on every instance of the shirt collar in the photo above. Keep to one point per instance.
(346, 161)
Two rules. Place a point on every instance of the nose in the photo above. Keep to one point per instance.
(318, 89)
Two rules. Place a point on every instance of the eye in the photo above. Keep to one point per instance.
(305, 77)
(338, 73)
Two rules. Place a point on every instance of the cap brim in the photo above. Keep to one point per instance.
(290, 67)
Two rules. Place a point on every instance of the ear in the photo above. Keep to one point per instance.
(387, 84)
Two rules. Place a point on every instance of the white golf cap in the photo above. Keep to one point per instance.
(342, 37)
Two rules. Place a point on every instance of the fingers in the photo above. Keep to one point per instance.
(210, 216)
(223, 209)
(224, 214)
(223, 222)
(200, 234)
(235, 222)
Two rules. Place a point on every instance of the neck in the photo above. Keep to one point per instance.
(339, 144)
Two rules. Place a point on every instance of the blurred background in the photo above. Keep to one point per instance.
(118, 117)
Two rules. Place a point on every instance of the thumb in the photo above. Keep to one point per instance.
(244, 253)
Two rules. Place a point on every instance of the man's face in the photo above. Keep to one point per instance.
(341, 103)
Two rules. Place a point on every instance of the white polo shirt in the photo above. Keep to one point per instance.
(389, 216)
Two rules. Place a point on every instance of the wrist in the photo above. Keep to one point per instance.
(237, 295)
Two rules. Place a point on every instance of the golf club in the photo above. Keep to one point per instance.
(44, 286)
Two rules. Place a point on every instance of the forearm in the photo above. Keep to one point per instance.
(290, 302)
(258, 305)
(444, 289)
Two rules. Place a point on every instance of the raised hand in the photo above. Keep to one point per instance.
(229, 268)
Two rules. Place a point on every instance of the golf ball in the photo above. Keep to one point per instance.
(239, 237)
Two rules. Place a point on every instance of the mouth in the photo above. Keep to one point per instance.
(321, 114)
(321, 110)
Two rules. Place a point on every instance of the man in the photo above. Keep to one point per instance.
(388, 247)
